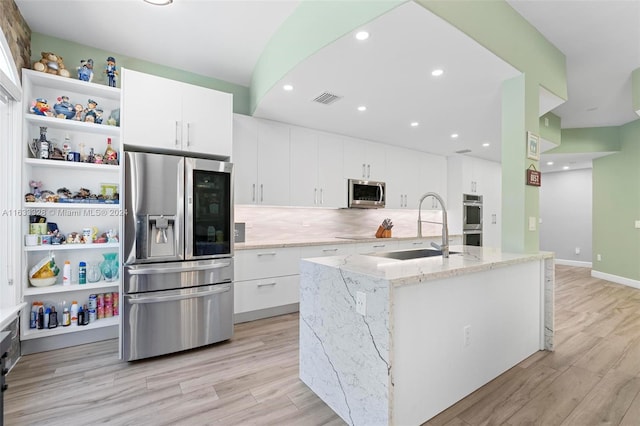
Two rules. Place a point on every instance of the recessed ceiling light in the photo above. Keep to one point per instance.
(454, 136)
(362, 108)
(287, 87)
(159, 2)
(414, 124)
(486, 144)
(362, 35)
(437, 72)
(565, 168)
(549, 163)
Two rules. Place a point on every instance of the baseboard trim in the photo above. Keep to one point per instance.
(616, 279)
(573, 263)
(265, 313)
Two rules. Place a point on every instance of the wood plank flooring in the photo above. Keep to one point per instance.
(592, 378)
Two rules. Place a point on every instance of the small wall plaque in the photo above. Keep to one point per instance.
(533, 177)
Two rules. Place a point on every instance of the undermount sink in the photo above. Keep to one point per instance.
(410, 254)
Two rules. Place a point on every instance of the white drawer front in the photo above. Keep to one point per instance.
(326, 250)
(378, 246)
(255, 264)
(265, 293)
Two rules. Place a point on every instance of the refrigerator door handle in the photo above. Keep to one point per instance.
(163, 270)
(159, 299)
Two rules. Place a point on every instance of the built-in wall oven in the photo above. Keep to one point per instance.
(472, 219)
(178, 254)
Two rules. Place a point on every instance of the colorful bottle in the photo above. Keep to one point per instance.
(53, 318)
(33, 320)
(66, 273)
(40, 317)
(85, 318)
(82, 273)
(66, 317)
(80, 320)
(74, 313)
(110, 154)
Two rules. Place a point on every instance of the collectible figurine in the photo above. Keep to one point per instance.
(89, 113)
(78, 108)
(35, 188)
(40, 107)
(63, 108)
(99, 112)
(111, 71)
(85, 70)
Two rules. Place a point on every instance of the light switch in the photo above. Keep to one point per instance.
(532, 223)
(638, 224)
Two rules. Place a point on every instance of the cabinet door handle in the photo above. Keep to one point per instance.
(364, 175)
(379, 246)
(321, 196)
(177, 134)
(315, 195)
(188, 134)
(418, 243)
(261, 192)
(268, 253)
(406, 202)
(331, 249)
(253, 193)
(267, 284)
(368, 171)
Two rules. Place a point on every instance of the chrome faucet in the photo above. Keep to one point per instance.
(444, 247)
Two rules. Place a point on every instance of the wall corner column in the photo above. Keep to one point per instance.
(520, 202)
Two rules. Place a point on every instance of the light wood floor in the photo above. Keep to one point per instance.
(593, 377)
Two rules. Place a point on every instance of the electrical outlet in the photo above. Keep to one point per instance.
(637, 224)
(598, 257)
(361, 303)
(532, 223)
(577, 250)
(546, 122)
(494, 219)
(467, 335)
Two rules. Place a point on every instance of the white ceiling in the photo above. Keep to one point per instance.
(224, 39)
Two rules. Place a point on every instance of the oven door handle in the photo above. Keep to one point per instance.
(163, 270)
(159, 299)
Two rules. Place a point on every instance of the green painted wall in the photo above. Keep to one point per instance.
(593, 139)
(635, 89)
(74, 52)
(312, 26)
(519, 201)
(616, 207)
(550, 130)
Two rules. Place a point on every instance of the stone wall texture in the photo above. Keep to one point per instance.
(17, 33)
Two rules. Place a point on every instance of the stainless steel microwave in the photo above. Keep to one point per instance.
(366, 194)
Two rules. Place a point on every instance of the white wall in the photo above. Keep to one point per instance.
(566, 213)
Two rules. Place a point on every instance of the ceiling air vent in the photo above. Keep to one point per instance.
(326, 98)
(463, 151)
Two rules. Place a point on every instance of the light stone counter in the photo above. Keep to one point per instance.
(386, 341)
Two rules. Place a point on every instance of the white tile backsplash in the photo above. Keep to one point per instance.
(298, 223)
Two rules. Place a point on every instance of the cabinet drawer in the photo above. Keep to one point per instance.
(265, 293)
(382, 245)
(326, 250)
(255, 264)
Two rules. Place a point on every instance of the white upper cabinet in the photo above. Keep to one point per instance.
(316, 169)
(410, 174)
(261, 162)
(364, 160)
(168, 114)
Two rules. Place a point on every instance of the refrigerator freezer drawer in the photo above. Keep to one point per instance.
(168, 276)
(162, 322)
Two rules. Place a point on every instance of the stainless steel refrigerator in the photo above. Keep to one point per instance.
(178, 254)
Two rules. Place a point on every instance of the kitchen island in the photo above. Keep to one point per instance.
(385, 341)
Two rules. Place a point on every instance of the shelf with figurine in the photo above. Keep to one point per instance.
(46, 236)
(108, 196)
(91, 113)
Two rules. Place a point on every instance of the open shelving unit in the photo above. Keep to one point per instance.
(70, 216)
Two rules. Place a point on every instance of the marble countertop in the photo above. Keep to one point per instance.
(469, 260)
(318, 241)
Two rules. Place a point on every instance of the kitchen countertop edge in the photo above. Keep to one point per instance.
(320, 242)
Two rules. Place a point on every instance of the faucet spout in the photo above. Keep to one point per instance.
(444, 247)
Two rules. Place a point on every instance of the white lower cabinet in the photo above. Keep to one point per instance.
(265, 293)
(266, 282)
